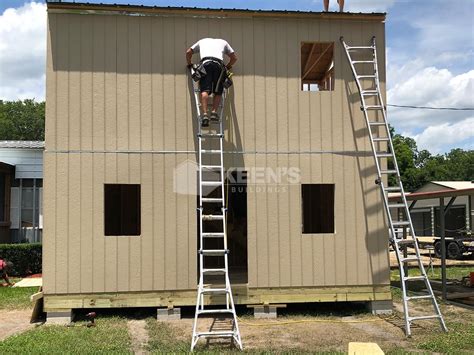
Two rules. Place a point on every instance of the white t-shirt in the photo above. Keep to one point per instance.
(212, 47)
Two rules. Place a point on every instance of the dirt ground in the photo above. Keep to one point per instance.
(302, 333)
(14, 322)
(139, 335)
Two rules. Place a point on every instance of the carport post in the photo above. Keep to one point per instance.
(443, 247)
(442, 215)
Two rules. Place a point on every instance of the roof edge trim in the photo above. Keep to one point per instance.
(192, 11)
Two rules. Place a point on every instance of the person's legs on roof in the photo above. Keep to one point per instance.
(326, 5)
(341, 5)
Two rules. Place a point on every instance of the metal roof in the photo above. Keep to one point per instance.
(433, 194)
(456, 185)
(22, 144)
(191, 10)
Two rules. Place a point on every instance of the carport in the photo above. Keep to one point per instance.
(443, 196)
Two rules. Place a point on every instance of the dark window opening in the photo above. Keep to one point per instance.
(318, 208)
(122, 210)
(317, 66)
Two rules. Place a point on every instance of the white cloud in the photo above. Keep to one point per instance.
(23, 52)
(437, 138)
(413, 84)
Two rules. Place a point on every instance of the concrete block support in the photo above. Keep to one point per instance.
(166, 314)
(265, 311)
(59, 318)
(380, 307)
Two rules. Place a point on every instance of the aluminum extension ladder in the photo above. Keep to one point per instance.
(379, 137)
(208, 173)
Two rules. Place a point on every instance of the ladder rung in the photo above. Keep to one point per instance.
(408, 260)
(384, 155)
(396, 205)
(209, 199)
(422, 317)
(383, 139)
(388, 171)
(419, 297)
(212, 135)
(363, 62)
(212, 311)
(216, 334)
(214, 290)
(374, 107)
(210, 151)
(210, 166)
(392, 188)
(211, 183)
(214, 271)
(359, 47)
(404, 241)
(213, 252)
(414, 278)
(369, 92)
(212, 235)
(377, 123)
(212, 217)
(400, 223)
(366, 76)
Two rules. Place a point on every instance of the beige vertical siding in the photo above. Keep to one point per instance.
(119, 110)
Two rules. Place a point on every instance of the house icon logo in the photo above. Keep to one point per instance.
(186, 179)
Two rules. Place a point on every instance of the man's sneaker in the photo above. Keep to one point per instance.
(214, 117)
(204, 121)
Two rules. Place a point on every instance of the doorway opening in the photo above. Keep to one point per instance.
(235, 195)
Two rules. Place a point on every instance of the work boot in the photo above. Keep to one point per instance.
(214, 117)
(204, 121)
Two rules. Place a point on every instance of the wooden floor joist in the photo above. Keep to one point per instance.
(242, 295)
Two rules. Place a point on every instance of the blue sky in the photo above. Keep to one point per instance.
(430, 58)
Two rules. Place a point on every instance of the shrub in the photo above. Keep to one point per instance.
(26, 258)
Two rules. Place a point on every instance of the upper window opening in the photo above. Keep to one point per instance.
(122, 212)
(317, 66)
(318, 208)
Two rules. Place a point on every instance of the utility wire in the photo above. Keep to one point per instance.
(436, 108)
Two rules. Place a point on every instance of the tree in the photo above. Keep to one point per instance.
(419, 167)
(22, 120)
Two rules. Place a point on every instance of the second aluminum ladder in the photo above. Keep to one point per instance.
(382, 147)
(211, 176)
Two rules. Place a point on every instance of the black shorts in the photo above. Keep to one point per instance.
(213, 80)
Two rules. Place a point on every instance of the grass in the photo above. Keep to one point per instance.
(452, 272)
(459, 340)
(109, 336)
(16, 298)
(163, 338)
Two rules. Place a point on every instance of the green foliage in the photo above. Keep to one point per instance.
(22, 120)
(26, 258)
(420, 167)
(110, 336)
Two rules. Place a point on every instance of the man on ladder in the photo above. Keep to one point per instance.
(211, 72)
(214, 279)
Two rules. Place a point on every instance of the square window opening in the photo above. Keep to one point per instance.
(122, 209)
(317, 208)
(317, 66)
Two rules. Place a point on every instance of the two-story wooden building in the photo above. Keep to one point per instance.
(307, 224)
